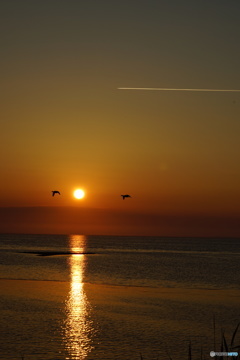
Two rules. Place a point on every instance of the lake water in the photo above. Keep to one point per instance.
(112, 297)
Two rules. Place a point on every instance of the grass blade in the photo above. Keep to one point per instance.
(190, 351)
(225, 343)
(168, 354)
(214, 333)
(234, 334)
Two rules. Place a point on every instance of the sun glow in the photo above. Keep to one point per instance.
(79, 194)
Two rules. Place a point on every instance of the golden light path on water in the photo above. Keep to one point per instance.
(78, 326)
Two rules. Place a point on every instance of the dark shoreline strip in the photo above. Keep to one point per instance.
(52, 253)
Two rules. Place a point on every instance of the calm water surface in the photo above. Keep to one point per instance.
(107, 303)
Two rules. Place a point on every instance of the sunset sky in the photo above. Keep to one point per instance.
(65, 125)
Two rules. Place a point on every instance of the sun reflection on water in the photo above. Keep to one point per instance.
(78, 327)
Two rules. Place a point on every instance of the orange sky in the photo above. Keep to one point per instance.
(64, 124)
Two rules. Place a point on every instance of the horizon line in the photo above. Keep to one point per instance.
(172, 89)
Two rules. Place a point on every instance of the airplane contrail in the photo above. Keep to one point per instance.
(169, 89)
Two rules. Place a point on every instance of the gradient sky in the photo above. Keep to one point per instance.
(64, 124)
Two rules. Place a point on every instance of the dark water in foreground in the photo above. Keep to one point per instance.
(123, 297)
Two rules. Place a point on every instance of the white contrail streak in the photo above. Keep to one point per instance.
(167, 89)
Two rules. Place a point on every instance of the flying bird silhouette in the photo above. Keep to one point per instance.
(55, 192)
(125, 196)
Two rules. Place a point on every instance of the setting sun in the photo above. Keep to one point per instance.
(79, 194)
